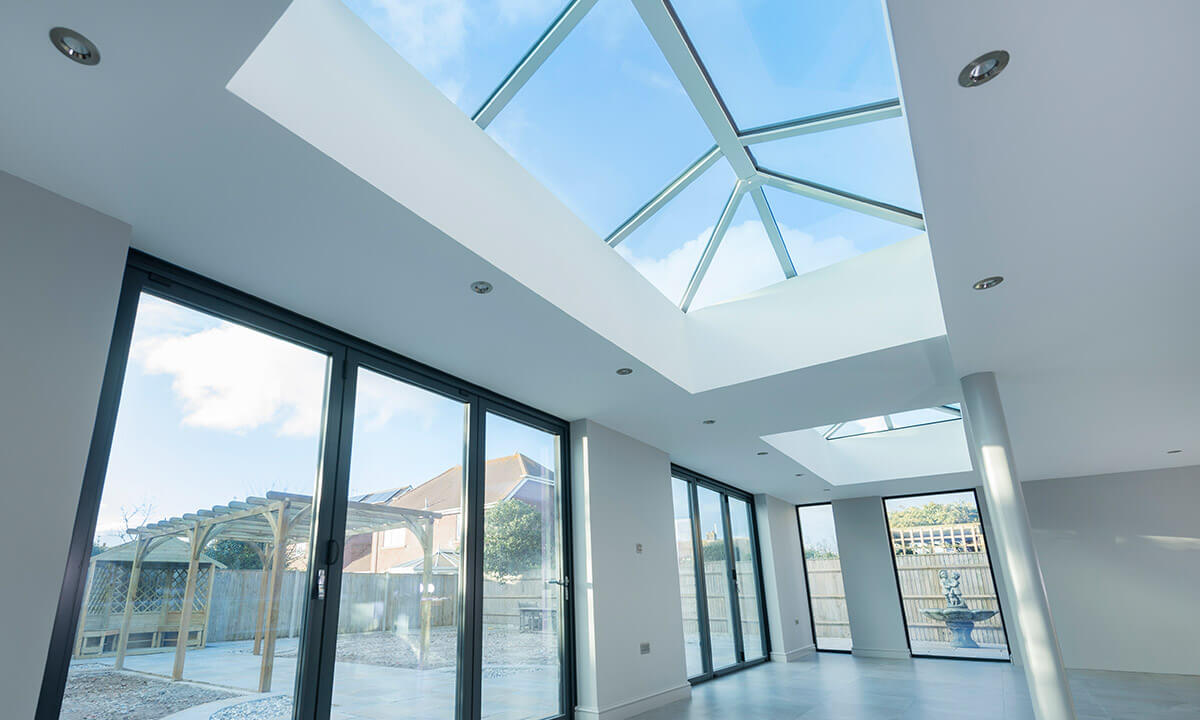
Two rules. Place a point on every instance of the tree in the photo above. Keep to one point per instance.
(512, 536)
(819, 551)
(234, 554)
(935, 514)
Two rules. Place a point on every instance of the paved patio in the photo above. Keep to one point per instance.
(361, 691)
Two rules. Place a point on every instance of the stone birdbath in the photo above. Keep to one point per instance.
(959, 618)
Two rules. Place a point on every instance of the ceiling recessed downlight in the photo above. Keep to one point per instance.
(624, 371)
(481, 287)
(983, 68)
(988, 282)
(75, 46)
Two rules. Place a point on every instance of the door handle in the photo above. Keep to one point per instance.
(319, 592)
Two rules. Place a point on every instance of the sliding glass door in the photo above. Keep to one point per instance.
(719, 576)
(398, 622)
(281, 521)
(199, 564)
(944, 576)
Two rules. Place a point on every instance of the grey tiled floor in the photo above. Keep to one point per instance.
(842, 687)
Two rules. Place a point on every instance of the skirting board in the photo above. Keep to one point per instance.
(794, 655)
(625, 710)
(881, 654)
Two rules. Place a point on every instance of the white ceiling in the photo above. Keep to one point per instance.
(1096, 377)
(1073, 174)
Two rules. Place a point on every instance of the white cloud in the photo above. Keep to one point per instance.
(518, 11)
(229, 377)
(379, 399)
(744, 263)
(809, 253)
(670, 273)
(428, 33)
(232, 378)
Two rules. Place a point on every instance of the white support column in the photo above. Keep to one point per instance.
(1013, 543)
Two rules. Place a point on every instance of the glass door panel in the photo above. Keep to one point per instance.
(199, 568)
(944, 575)
(745, 570)
(523, 599)
(684, 544)
(716, 578)
(398, 619)
(823, 573)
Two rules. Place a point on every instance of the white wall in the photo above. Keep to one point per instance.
(622, 497)
(1120, 557)
(872, 602)
(784, 583)
(60, 274)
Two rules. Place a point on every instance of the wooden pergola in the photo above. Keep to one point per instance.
(268, 525)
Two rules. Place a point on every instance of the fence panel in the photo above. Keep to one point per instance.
(718, 600)
(920, 588)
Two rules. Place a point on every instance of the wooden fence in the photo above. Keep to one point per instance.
(828, 597)
(919, 588)
(717, 585)
(370, 602)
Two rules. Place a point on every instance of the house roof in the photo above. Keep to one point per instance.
(173, 550)
(381, 496)
(501, 477)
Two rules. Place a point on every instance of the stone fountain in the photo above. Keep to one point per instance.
(957, 616)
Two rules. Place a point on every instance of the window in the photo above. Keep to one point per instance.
(798, 97)
(719, 576)
(944, 576)
(293, 522)
(396, 538)
(823, 578)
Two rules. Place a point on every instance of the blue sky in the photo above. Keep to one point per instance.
(212, 412)
(605, 125)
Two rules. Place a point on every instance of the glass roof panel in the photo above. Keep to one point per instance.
(465, 49)
(775, 61)
(667, 247)
(872, 159)
(818, 234)
(604, 123)
(924, 416)
(745, 260)
(886, 423)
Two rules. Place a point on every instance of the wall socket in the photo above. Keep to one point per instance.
(645, 648)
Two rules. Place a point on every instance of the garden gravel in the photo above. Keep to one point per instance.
(97, 692)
